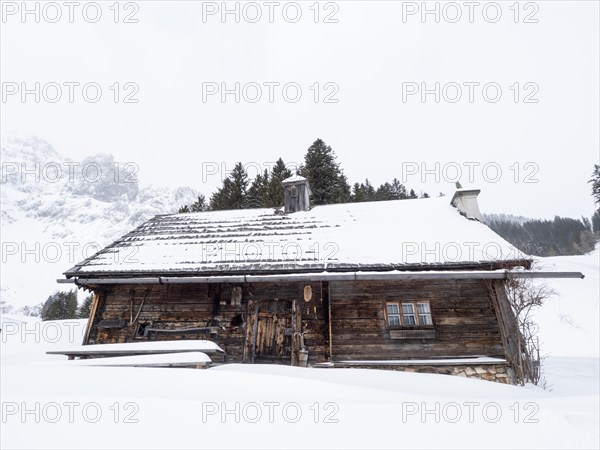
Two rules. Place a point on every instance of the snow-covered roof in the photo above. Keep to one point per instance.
(388, 235)
(294, 179)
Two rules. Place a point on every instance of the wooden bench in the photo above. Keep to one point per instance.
(142, 348)
(197, 360)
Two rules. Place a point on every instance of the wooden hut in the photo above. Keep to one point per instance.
(407, 285)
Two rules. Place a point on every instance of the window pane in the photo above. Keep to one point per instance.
(393, 314)
(408, 308)
(425, 319)
(393, 320)
(409, 319)
(423, 308)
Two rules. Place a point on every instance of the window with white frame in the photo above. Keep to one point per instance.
(424, 313)
(393, 314)
(408, 314)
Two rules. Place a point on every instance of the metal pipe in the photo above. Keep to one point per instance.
(534, 274)
(215, 279)
(145, 280)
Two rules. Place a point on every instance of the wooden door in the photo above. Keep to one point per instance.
(274, 330)
(269, 333)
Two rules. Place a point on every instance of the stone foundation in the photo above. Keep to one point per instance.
(500, 373)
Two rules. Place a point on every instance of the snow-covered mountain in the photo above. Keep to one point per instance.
(56, 211)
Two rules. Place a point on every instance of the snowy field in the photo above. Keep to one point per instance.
(48, 402)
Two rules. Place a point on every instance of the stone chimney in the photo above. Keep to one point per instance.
(296, 194)
(465, 200)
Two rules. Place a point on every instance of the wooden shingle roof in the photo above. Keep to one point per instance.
(390, 235)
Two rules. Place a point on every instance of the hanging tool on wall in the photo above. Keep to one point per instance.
(141, 306)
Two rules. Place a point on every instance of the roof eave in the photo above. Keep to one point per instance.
(329, 267)
(328, 276)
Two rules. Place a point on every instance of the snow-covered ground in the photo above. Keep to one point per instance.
(48, 402)
(569, 320)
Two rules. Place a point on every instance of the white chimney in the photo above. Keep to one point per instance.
(465, 200)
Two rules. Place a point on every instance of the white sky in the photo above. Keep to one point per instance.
(368, 54)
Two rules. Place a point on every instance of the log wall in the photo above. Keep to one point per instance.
(353, 313)
(465, 323)
(121, 316)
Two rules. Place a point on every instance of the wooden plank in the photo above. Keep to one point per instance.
(185, 359)
(297, 331)
(412, 334)
(255, 330)
(508, 327)
(91, 318)
(107, 353)
(251, 331)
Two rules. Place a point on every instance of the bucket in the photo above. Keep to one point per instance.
(303, 357)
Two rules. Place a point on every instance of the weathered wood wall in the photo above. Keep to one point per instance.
(210, 306)
(511, 336)
(464, 318)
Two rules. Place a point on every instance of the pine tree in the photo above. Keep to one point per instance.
(232, 195)
(363, 192)
(327, 181)
(239, 178)
(5, 307)
(60, 306)
(357, 195)
(198, 206)
(596, 222)
(279, 172)
(86, 307)
(343, 192)
(32, 311)
(221, 199)
(257, 195)
(595, 181)
(399, 190)
(384, 192)
(560, 236)
(412, 194)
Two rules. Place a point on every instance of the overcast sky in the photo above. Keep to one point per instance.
(371, 61)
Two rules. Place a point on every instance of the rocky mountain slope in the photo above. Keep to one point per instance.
(56, 211)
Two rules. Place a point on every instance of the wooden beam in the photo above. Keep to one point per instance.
(91, 318)
(508, 325)
(296, 332)
(251, 332)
